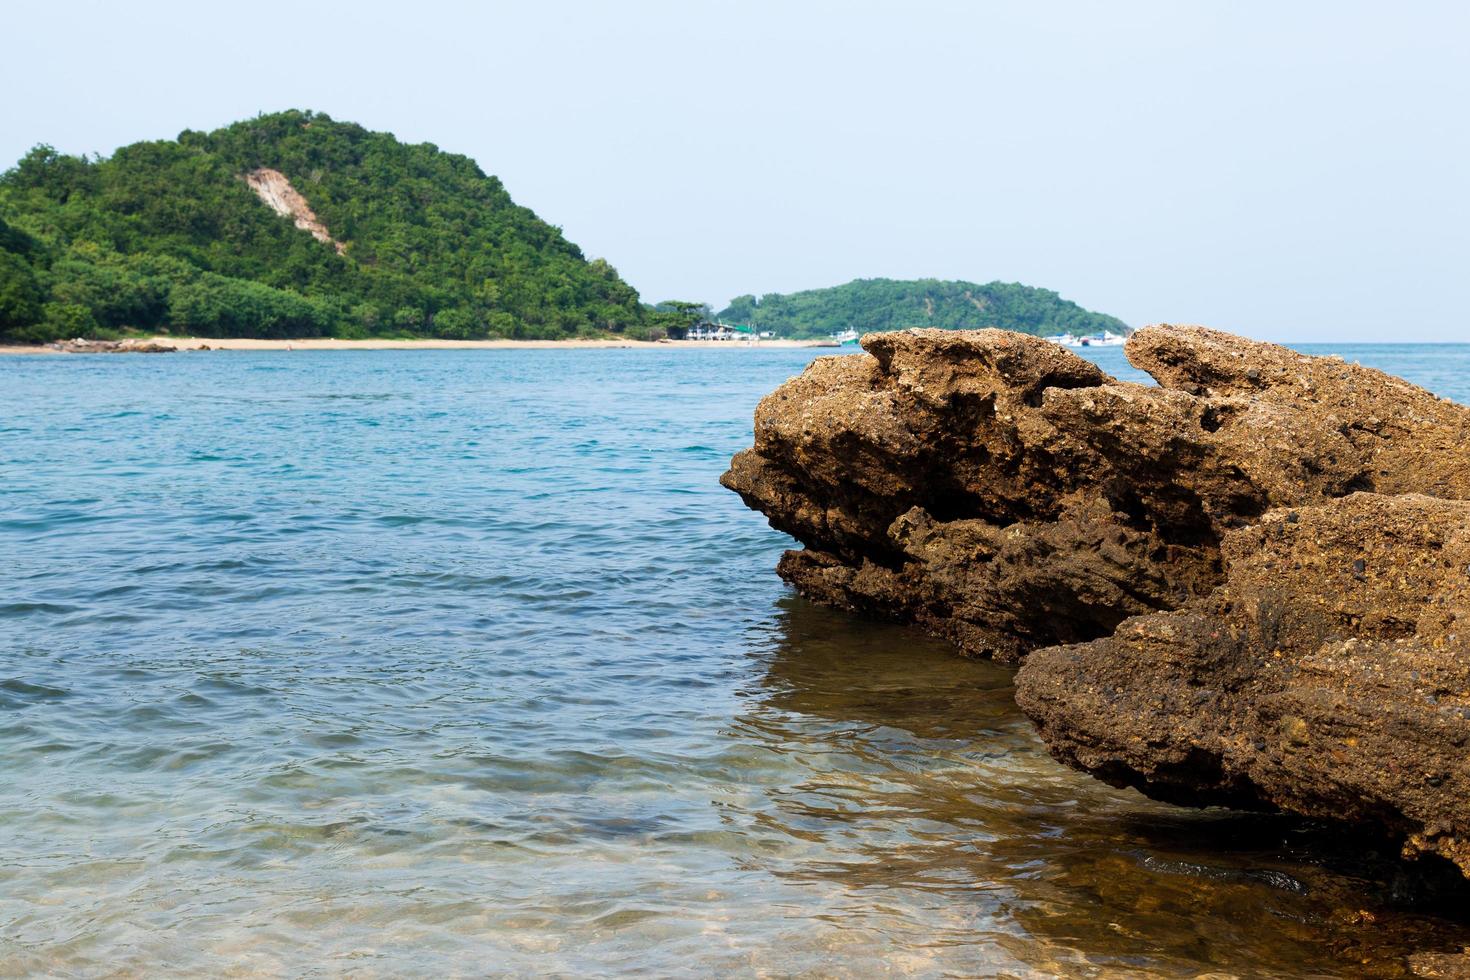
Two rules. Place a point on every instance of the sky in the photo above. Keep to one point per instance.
(1289, 171)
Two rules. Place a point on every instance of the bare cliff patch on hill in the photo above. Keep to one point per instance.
(272, 187)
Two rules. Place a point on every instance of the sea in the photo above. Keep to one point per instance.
(462, 663)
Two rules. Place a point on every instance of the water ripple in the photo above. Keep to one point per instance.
(380, 664)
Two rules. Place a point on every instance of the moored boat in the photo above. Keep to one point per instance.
(1105, 339)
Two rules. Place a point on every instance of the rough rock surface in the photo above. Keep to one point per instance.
(1446, 966)
(1247, 586)
(1008, 495)
(1329, 676)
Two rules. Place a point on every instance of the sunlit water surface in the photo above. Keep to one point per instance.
(441, 663)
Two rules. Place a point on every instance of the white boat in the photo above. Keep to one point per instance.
(718, 331)
(848, 336)
(1105, 339)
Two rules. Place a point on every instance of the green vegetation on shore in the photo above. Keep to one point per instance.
(167, 235)
(890, 304)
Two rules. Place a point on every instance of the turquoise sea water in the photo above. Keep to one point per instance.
(456, 663)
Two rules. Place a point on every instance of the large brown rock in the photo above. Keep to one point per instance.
(1008, 495)
(1328, 676)
(1248, 586)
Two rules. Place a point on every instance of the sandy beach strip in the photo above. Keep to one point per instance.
(324, 343)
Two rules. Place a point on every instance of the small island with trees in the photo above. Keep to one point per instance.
(869, 305)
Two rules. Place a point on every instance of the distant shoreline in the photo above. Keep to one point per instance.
(324, 343)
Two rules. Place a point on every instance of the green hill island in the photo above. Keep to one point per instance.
(295, 225)
(867, 305)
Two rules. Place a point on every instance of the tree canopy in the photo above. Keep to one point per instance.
(166, 235)
(891, 304)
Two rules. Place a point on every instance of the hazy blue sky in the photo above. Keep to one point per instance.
(1286, 170)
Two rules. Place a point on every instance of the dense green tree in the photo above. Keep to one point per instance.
(459, 324)
(21, 293)
(741, 309)
(52, 174)
(888, 304)
(673, 318)
(116, 291)
(218, 306)
(65, 321)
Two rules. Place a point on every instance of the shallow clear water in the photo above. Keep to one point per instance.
(438, 663)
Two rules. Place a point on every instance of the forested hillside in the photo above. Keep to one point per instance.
(167, 235)
(891, 304)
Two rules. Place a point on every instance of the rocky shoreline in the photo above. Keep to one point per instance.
(83, 346)
(1247, 586)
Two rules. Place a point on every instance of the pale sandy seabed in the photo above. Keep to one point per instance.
(319, 343)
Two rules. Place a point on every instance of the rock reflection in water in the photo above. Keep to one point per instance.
(957, 832)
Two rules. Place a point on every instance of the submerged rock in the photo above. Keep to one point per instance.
(1249, 585)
